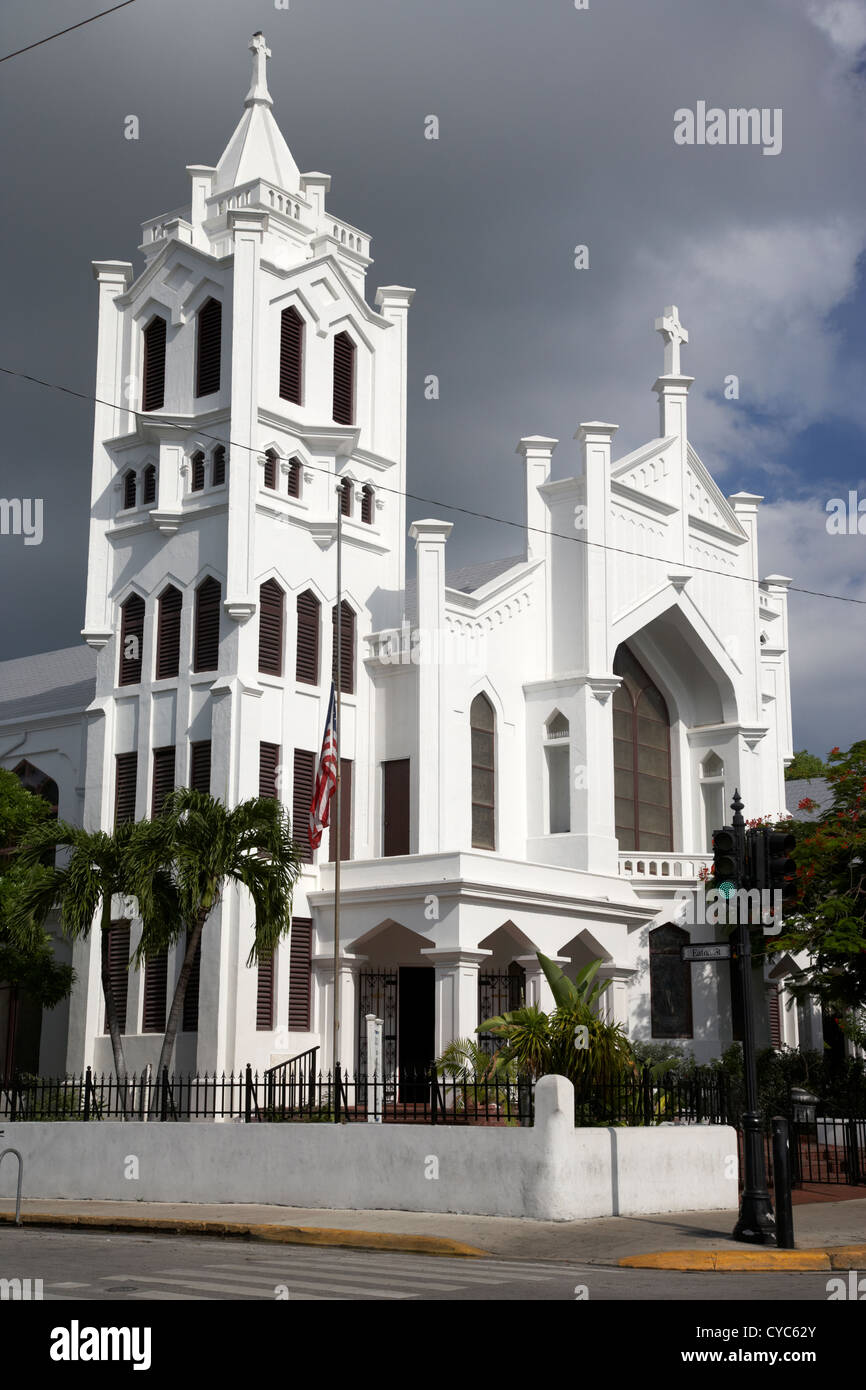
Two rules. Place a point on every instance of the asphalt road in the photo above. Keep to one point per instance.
(97, 1266)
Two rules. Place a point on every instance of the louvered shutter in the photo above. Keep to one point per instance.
(168, 634)
(163, 778)
(198, 472)
(218, 466)
(344, 380)
(265, 995)
(295, 478)
(775, 1016)
(118, 969)
(346, 497)
(291, 355)
(190, 999)
(128, 490)
(207, 626)
(269, 761)
(302, 796)
(367, 505)
(300, 973)
(208, 355)
(395, 795)
(271, 607)
(155, 993)
(345, 815)
(270, 469)
(199, 766)
(126, 776)
(153, 383)
(149, 490)
(347, 649)
(131, 640)
(307, 655)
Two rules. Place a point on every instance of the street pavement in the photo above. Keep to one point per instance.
(95, 1266)
(603, 1241)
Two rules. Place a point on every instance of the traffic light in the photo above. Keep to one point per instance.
(727, 865)
(781, 871)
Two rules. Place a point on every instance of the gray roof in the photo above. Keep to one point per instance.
(465, 580)
(47, 683)
(818, 788)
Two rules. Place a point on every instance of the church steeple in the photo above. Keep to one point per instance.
(257, 149)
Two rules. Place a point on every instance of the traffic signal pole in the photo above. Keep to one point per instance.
(756, 1223)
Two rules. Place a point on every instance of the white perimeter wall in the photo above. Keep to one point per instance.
(552, 1172)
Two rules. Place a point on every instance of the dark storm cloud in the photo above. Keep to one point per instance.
(556, 129)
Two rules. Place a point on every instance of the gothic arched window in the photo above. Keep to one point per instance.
(291, 355)
(641, 759)
(208, 345)
(482, 723)
(344, 380)
(670, 983)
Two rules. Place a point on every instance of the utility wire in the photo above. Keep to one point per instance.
(414, 496)
(79, 25)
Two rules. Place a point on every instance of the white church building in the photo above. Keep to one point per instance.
(535, 748)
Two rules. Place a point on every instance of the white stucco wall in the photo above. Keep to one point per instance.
(552, 1172)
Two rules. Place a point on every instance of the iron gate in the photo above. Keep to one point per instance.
(499, 992)
(377, 994)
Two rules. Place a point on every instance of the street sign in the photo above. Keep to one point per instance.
(708, 950)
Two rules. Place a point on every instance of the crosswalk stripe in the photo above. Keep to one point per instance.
(285, 1274)
(485, 1274)
(247, 1292)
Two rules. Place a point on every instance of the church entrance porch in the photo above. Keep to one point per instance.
(404, 999)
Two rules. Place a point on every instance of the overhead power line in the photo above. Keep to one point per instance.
(80, 25)
(416, 497)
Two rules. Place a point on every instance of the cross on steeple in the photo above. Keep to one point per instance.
(674, 335)
(258, 92)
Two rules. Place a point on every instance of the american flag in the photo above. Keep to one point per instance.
(326, 776)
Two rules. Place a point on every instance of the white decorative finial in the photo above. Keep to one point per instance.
(258, 93)
(674, 335)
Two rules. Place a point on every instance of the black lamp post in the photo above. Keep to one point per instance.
(756, 1223)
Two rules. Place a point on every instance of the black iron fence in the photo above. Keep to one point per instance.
(642, 1099)
(294, 1091)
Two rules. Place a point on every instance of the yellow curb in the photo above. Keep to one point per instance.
(284, 1235)
(848, 1257)
(833, 1257)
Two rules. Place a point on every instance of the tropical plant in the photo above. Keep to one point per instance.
(181, 863)
(96, 870)
(572, 1041)
(26, 962)
(464, 1059)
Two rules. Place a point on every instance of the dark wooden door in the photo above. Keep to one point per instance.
(395, 777)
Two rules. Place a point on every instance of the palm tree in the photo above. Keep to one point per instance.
(180, 864)
(96, 871)
(572, 1041)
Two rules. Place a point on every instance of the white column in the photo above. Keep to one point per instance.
(109, 420)
(456, 989)
(349, 966)
(614, 1001)
(595, 439)
(248, 228)
(537, 451)
(430, 537)
(673, 393)
(393, 301)
(538, 991)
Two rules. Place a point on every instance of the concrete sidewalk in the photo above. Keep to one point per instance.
(664, 1239)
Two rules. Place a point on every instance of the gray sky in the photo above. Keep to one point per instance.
(556, 129)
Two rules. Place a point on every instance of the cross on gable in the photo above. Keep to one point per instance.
(674, 336)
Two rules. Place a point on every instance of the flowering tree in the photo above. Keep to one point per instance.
(828, 918)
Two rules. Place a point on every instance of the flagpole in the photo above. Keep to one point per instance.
(338, 638)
